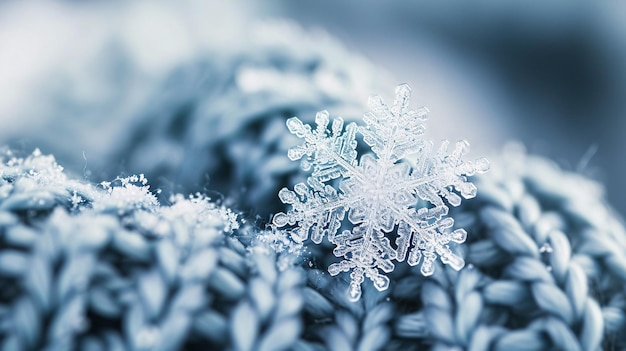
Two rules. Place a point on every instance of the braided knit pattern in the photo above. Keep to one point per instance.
(546, 268)
(110, 268)
(90, 269)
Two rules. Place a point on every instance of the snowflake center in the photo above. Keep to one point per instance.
(379, 189)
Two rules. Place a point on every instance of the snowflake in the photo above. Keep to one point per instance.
(402, 189)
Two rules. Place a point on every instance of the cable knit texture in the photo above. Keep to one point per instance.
(108, 267)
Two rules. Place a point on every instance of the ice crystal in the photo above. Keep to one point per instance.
(126, 194)
(288, 252)
(402, 189)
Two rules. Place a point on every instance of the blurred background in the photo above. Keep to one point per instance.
(187, 92)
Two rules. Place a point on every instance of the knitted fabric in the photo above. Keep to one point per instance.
(109, 268)
(228, 100)
(234, 109)
(118, 267)
(87, 268)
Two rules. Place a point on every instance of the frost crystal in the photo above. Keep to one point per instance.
(401, 190)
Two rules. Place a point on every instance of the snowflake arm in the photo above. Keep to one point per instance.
(317, 212)
(394, 132)
(386, 193)
(331, 154)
